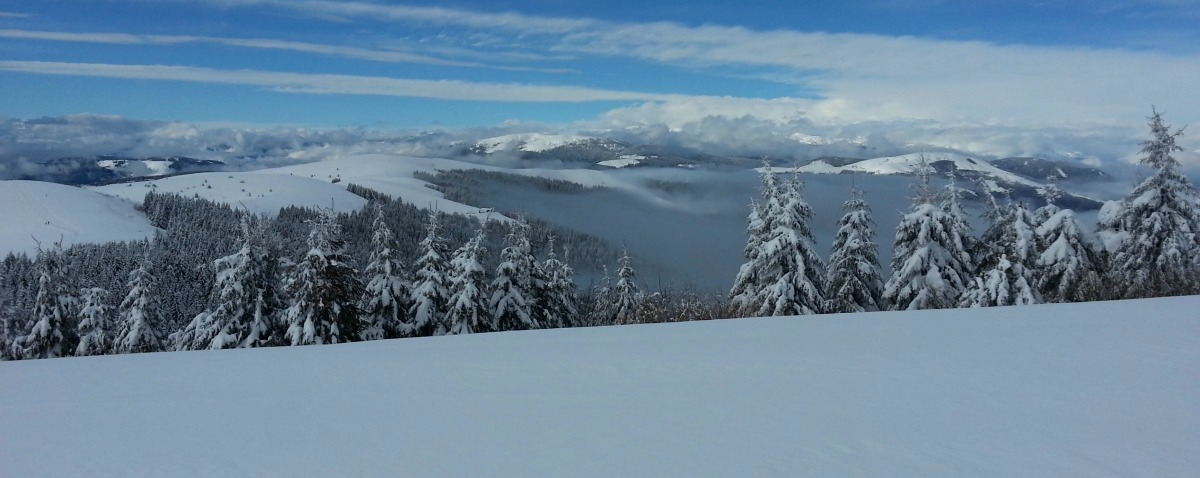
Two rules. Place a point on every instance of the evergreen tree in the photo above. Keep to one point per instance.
(556, 296)
(324, 289)
(48, 338)
(138, 319)
(1157, 226)
(855, 283)
(95, 323)
(513, 288)
(1068, 257)
(430, 293)
(1050, 193)
(752, 277)
(600, 309)
(1005, 283)
(930, 264)
(626, 295)
(469, 310)
(385, 299)
(244, 298)
(784, 275)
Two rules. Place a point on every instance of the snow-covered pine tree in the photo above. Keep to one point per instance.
(49, 337)
(791, 255)
(752, 278)
(1158, 224)
(430, 291)
(385, 299)
(626, 295)
(1050, 192)
(1008, 272)
(324, 289)
(95, 322)
(600, 304)
(1005, 283)
(244, 299)
(512, 288)
(469, 311)
(930, 265)
(138, 319)
(557, 293)
(1069, 257)
(855, 281)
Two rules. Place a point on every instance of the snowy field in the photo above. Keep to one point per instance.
(1096, 390)
(39, 211)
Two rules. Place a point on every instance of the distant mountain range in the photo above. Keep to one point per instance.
(1020, 178)
(114, 169)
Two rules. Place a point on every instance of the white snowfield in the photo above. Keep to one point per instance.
(907, 164)
(1090, 390)
(531, 142)
(32, 211)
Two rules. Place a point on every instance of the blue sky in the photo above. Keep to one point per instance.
(1008, 64)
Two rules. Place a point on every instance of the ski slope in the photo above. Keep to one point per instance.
(1096, 390)
(33, 211)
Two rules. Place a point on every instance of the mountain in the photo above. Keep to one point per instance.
(111, 169)
(1039, 169)
(1105, 389)
(598, 151)
(970, 172)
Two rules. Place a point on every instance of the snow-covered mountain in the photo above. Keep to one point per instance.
(542, 143)
(1039, 169)
(37, 211)
(969, 170)
(1096, 389)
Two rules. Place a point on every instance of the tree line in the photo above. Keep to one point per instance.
(1146, 245)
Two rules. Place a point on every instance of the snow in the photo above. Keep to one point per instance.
(312, 184)
(907, 163)
(623, 161)
(531, 142)
(48, 212)
(1099, 390)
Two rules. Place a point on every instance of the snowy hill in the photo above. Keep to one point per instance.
(315, 184)
(907, 164)
(528, 142)
(1096, 390)
(49, 212)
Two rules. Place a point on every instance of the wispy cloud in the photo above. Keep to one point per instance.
(390, 55)
(340, 84)
(14, 15)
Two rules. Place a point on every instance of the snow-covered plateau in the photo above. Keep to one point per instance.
(1096, 389)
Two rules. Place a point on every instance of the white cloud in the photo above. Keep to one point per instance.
(388, 55)
(14, 15)
(339, 84)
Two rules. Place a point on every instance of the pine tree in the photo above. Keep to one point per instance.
(1157, 225)
(324, 288)
(626, 295)
(1069, 258)
(556, 295)
(95, 323)
(855, 283)
(469, 310)
(1005, 283)
(48, 338)
(1008, 268)
(513, 289)
(600, 305)
(930, 263)
(784, 275)
(430, 293)
(385, 299)
(138, 319)
(243, 301)
(752, 277)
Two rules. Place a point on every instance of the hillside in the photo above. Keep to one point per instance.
(1097, 390)
(47, 212)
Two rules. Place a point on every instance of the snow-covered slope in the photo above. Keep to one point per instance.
(529, 142)
(49, 212)
(1095, 390)
(312, 184)
(907, 163)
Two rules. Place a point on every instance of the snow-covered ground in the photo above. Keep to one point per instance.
(38, 211)
(1096, 390)
(531, 142)
(907, 164)
(623, 161)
